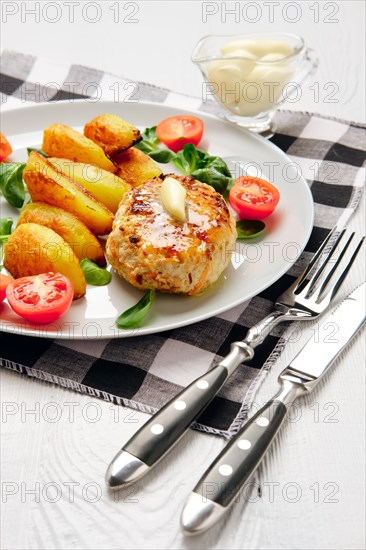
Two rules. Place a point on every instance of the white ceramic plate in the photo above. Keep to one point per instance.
(255, 265)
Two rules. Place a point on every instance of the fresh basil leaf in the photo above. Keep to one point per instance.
(150, 144)
(209, 169)
(190, 161)
(162, 155)
(5, 226)
(191, 157)
(146, 146)
(180, 162)
(30, 149)
(220, 165)
(133, 317)
(150, 135)
(158, 154)
(227, 190)
(95, 275)
(187, 159)
(248, 229)
(149, 139)
(202, 155)
(11, 183)
(5, 232)
(212, 177)
(6, 167)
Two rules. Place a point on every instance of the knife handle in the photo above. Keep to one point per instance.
(219, 485)
(158, 435)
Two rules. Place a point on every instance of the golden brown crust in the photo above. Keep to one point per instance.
(47, 184)
(82, 241)
(105, 187)
(135, 167)
(150, 249)
(63, 141)
(112, 133)
(33, 249)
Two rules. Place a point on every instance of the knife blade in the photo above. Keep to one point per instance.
(219, 485)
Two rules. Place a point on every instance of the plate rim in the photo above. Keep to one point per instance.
(146, 330)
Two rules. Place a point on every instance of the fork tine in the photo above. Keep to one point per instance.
(300, 281)
(335, 266)
(337, 285)
(309, 285)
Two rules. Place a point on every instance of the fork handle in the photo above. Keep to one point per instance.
(219, 485)
(259, 332)
(158, 435)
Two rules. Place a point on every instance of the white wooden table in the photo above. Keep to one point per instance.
(54, 458)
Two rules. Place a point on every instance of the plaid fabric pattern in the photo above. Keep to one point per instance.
(145, 372)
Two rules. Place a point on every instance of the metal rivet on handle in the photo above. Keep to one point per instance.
(157, 429)
(180, 405)
(225, 470)
(244, 444)
(262, 421)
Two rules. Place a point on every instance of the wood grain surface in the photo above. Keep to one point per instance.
(309, 492)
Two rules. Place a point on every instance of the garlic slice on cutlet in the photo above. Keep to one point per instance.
(173, 197)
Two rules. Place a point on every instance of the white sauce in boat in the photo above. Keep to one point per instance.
(250, 77)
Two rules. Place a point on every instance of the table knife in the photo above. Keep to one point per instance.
(220, 484)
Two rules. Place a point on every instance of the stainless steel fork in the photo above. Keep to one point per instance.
(303, 300)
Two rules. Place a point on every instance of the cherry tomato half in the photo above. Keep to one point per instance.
(40, 298)
(175, 132)
(5, 148)
(253, 198)
(4, 281)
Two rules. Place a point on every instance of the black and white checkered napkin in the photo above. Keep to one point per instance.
(145, 372)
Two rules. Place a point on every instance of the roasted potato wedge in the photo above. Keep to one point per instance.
(107, 188)
(33, 249)
(83, 243)
(65, 142)
(112, 133)
(47, 184)
(135, 167)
